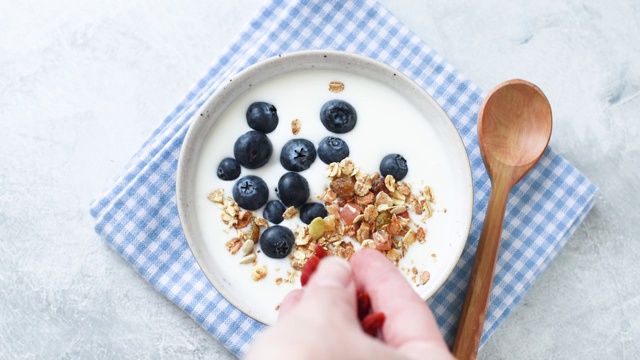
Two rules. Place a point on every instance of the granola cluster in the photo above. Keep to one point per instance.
(368, 211)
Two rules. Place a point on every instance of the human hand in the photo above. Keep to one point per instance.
(320, 321)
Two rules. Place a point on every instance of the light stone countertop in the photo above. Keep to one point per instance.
(82, 84)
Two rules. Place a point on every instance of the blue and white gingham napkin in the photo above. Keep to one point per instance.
(137, 214)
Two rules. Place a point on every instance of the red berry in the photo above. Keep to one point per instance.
(372, 323)
(308, 269)
(320, 252)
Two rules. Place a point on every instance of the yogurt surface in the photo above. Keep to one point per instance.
(387, 123)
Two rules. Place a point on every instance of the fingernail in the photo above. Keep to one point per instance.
(333, 272)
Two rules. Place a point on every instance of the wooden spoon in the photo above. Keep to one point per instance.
(514, 127)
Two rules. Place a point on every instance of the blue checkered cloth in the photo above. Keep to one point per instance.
(137, 214)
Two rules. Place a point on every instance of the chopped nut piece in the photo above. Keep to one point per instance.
(244, 217)
(290, 213)
(234, 245)
(259, 272)
(248, 259)
(370, 213)
(409, 238)
(414, 270)
(364, 232)
(261, 222)
(295, 126)
(424, 277)
(421, 235)
(336, 86)
(298, 254)
(428, 195)
(278, 282)
(382, 198)
(382, 240)
(403, 188)
(362, 186)
(390, 183)
(329, 223)
(394, 255)
(333, 170)
(398, 209)
(365, 200)
(347, 167)
(368, 243)
(216, 196)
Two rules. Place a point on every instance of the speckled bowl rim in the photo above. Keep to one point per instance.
(207, 115)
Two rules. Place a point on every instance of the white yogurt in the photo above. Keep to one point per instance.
(387, 123)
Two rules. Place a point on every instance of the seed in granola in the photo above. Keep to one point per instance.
(383, 219)
(259, 272)
(316, 228)
(336, 86)
(247, 247)
(248, 259)
(295, 126)
(424, 277)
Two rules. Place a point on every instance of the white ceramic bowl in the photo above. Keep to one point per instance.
(394, 115)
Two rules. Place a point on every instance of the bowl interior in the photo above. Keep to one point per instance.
(394, 116)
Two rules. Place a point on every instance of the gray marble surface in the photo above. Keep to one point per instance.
(82, 84)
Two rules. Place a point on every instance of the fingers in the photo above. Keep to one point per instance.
(330, 290)
(290, 302)
(391, 293)
(333, 285)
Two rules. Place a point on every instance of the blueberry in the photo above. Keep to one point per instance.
(229, 169)
(277, 241)
(395, 165)
(338, 116)
(332, 149)
(253, 149)
(262, 116)
(297, 155)
(310, 211)
(273, 211)
(250, 192)
(293, 189)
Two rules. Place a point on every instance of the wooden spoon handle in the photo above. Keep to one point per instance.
(479, 290)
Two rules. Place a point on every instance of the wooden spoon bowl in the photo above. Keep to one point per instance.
(514, 128)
